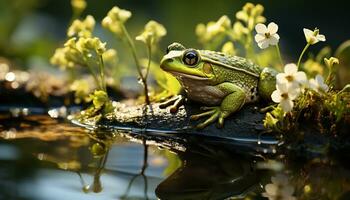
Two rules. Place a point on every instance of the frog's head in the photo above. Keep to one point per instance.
(182, 62)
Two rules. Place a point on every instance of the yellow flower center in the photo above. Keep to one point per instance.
(267, 35)
(284, 95)
(290, 78)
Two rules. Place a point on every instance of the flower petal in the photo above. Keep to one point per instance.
(259, 37)
(308, 33)
(319, 79)
(325, 87)
(300, 77)
(282, 87)
(281, 78)
(321, 38)
(276, 36)
(263, 44)
(274, 39)
(290, 68)
(286, 105)
(276, 96)
(272, 28)
(313, 84)
(261, 28)
(294, 92)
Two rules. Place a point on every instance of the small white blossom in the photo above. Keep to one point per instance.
(312, 37)
(284, 95)
(266, 36)
(291, 75)
(318, 84)
(279, 189)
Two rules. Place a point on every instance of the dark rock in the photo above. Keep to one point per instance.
(243, 128)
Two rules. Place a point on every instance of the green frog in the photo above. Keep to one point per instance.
(222, 83)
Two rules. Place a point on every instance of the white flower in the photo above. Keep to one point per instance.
(291, 75)
(312, 37)
(266, 36)
(284, 95)
(279, 189)
(318, 84)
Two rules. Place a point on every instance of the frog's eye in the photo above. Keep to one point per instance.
(190, 57)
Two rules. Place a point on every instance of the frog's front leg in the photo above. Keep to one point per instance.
(174, 102)
(232, 102)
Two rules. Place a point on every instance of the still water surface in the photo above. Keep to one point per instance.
(49, 159)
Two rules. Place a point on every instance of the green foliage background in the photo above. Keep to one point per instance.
(35, 27)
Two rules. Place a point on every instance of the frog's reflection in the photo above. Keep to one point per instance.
(206, 172)
(210, 174)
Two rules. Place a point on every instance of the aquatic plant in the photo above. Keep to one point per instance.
(303, 90)
(296, 95)
(84, 50)
(313, 95)
(153, 32)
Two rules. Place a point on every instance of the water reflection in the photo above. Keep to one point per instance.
(45, 158)
(216, 175)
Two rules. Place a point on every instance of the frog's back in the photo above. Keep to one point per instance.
(240, 71)
(231, 62)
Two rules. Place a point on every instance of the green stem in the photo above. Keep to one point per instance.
(345, 88)
(102, 74)
(86, 63)
(94, 76)
(279, 54)
(149, 51)
(302, 54)
(138, 66)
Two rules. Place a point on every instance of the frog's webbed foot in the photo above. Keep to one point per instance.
(215, 113)
(174, 102)
(230, 104)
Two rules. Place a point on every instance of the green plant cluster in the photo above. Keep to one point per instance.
(298, 95)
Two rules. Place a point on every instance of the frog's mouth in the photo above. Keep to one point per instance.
(189, 76)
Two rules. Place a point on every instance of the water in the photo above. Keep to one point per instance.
(49, 159)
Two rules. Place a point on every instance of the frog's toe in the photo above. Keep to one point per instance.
(196, 117)
(220, 123)
(204, 108)
(209, 121)
(173, 109)
(213, 112)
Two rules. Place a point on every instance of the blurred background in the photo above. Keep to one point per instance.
(30, 30)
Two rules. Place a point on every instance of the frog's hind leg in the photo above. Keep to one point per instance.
(230, 104)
